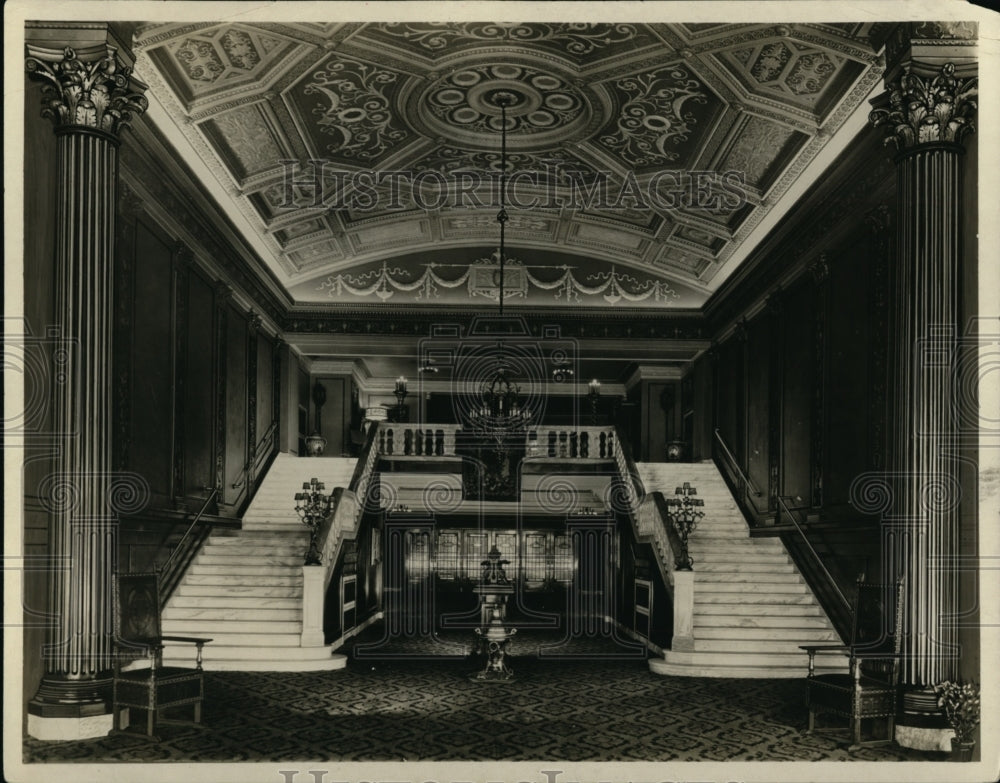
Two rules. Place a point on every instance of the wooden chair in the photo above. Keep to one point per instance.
(153, 687)
(870, 689)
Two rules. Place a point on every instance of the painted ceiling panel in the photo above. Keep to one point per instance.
(660, 147)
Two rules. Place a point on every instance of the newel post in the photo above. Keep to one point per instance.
(313, 589)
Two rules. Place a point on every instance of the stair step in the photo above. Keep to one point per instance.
(231, 652)
(242, 570)
(702, 599)
(710, 586)
(751, 547)
(235, 639)
(712, 556)
(225, 589)
(329, 661)
(760, 621)
(745, 567)
(248, 548)
(253, 602)
(736, 637)
(226, 615)
(248, 559)
(749, 645)
(774, 607)
(261, 537)
(232, 580)
(264, 628)
(775, 660)
(704, 575)
(751, 667)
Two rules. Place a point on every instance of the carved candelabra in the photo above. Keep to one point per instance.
(313, 507)
(684, 512)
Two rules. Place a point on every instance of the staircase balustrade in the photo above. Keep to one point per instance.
(651, 521)
(348, 504)
(571, 442)
(412, 440)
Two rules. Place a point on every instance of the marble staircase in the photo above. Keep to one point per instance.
(244, 588)
(752, 608)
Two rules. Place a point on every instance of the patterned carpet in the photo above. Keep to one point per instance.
(425, 707)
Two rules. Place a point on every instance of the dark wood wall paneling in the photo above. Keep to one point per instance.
(40, 165)
(758, 403)
(335, 414)
(797, 387)
(237, 404)
(190, 398)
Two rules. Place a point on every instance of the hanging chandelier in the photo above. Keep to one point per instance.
(499, 410)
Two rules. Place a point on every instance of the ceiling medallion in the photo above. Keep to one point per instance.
(543, 109)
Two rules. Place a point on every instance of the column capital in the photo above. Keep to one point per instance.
(920, 110)
(86, 76)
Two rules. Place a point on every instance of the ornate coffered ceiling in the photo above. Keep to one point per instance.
(645, 159)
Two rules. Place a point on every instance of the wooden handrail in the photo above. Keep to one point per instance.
(815, 555)
(166, 574)
(736, 466)
(268, 435)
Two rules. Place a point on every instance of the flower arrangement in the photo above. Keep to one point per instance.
(960, 702)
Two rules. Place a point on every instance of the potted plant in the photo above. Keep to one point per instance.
(960, 702)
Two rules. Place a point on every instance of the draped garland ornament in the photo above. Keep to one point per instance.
(481, 278)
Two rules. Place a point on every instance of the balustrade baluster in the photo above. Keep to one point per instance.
(449, 441)
(585, 444)
(562, 443)
(604, 449)
(552, 443)
(389, 442)
(438, 443)
(407, 442)
(428, 436)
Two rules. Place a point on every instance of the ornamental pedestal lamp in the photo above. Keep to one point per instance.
(316, 443)
(313, 507)
(401, 393)
(594, 396)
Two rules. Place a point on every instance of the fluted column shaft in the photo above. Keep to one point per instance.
(927, 117)
(89, 95)
(923, 321)
(82, 528)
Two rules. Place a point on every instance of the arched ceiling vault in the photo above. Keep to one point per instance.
(646, 159)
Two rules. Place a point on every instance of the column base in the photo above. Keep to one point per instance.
(921, 725)
(65, 709)
(64, 729)
(922, 738)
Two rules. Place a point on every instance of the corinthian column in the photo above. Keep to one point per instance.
(89, 95)
(927, 113)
